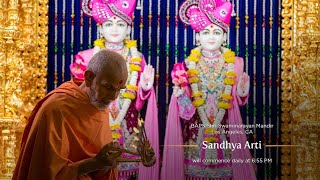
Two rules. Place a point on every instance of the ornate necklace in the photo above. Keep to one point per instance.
(210, 70)
(225, 97)
(211, 67)
(114, 46)
(212, 54)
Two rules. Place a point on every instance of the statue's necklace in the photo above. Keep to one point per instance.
(211, 69)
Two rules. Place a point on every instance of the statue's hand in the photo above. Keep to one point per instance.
(243, 85)
(147, 78)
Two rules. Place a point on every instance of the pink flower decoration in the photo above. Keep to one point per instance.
(78, 67)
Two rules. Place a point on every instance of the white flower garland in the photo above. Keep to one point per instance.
(191, 65)
(133, 82)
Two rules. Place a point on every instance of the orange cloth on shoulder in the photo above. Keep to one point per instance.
(64, 128)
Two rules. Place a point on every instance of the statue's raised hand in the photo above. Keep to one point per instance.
(243, 85)
(147, 78)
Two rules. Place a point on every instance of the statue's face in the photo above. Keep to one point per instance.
(211, 37)
(115, 30)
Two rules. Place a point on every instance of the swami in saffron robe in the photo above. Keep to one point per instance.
(64, 129)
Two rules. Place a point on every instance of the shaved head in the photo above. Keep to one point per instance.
(105, 76)
(107, 61)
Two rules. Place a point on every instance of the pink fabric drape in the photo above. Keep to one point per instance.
(173, 159)
(151, 126)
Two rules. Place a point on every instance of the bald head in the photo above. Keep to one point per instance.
(105, 76)
(107, 61)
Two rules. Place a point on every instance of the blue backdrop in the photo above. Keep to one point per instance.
(164, 40)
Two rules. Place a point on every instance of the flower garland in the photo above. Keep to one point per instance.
(225, 97)
(131, 88)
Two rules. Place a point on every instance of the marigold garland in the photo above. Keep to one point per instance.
(198, 102)
(192, 72)
(230, 73)
(229, 57)
(210, 130)
(136, 59)
(229, 54)
(128, 95)
(229, 81)
(134, 67)
(229, 60)
(224, 105)
(99, 42)
(226, 96)
(131, 43)
(193, 80)
(197, 94)
(132, 87)
(211, 139)
(193, 58)
(115, 126)
(116, 135)
(196, 53)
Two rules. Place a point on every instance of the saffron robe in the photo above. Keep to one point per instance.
(64, 128)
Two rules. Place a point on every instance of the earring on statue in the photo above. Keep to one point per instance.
(198, 43)
(127, 38)
(100, 31)
(224, 44)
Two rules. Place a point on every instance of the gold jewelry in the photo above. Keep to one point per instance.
(224, 44)
(126, 39)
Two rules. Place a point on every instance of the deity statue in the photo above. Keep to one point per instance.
(115, 18)
(209, 87)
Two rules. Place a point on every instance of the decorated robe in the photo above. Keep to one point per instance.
(193, 161)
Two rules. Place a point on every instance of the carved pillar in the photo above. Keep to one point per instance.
(301, 100)
(2, 17)
(11, 66)
(23, 50)
(287, 30)
(9, 145)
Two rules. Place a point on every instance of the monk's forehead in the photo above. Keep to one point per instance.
(115, 78)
